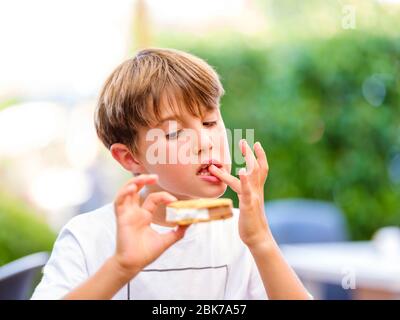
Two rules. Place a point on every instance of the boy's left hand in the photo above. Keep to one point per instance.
(253, 226)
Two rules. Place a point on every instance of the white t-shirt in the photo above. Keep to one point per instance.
(210, 262)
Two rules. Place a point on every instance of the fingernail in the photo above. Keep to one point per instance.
(242, 171)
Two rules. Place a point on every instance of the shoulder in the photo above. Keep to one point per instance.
(91, 223)
(88, 237)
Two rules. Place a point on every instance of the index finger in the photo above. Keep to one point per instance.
(226, 177)
(141, 180)
(129, 193)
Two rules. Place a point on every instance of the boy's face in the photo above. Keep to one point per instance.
(180, 149)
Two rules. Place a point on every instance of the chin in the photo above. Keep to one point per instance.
(212, 192)
(198, 191)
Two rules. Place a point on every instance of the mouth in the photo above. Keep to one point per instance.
(205, 174)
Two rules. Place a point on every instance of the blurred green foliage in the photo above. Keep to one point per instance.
(327, 113)
(6, 102)
(22, 232)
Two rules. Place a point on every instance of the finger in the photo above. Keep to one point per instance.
(251, 162)
(261, 159)
(142, 180)
(244, 184)
(224, 176)
(153, 200)
(129, 193)
(124, 196)
(173, 236)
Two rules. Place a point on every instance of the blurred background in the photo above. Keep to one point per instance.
(317, 80)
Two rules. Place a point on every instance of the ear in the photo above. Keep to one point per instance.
(124, 156)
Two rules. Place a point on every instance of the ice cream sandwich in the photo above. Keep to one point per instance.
(198, 210)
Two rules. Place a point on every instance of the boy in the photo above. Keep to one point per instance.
(127, 250)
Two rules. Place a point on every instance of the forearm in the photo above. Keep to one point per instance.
(103, 285)
(279, 279)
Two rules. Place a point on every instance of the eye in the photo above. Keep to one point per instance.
(209, 123)
(173, 135)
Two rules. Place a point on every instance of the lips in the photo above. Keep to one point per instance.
(203, 169)
(204, 173)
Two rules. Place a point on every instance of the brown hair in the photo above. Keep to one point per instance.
(131, 96)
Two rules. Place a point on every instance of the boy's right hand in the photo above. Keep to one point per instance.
(137, 243)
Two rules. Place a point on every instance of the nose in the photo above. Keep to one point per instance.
(203, 143)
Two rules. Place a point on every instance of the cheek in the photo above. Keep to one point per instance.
(173, 177)
(223, 148)
(170, 170)
(169, 167)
